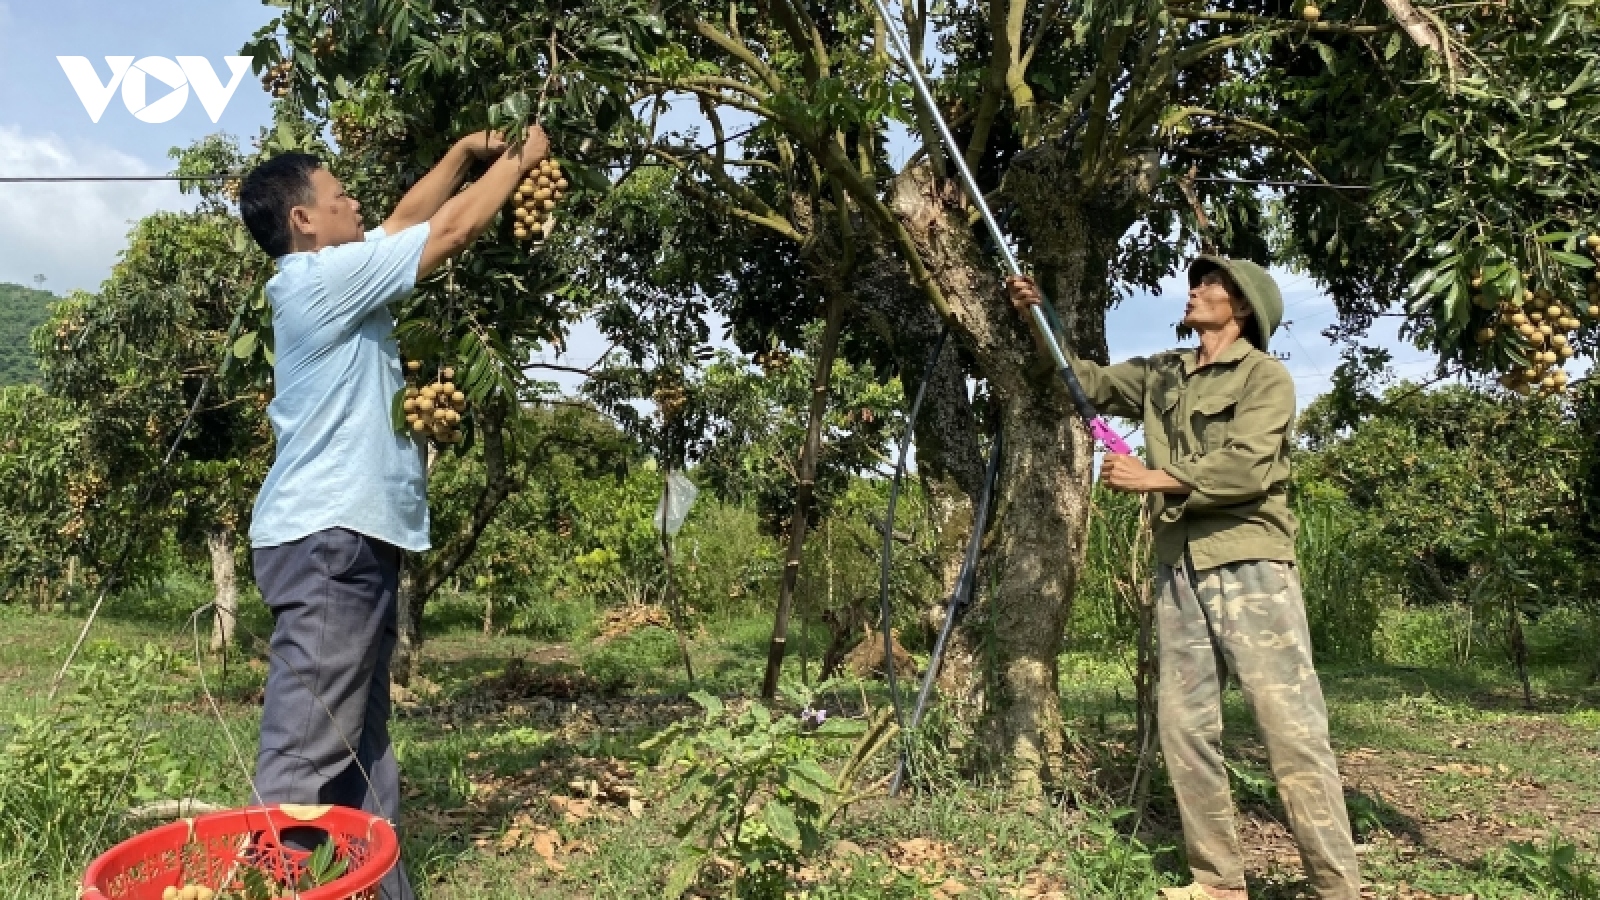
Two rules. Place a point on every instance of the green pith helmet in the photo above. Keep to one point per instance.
(1258, 288)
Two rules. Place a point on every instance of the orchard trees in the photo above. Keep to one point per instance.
(136, 357)
(47, 495)
(1071, 114)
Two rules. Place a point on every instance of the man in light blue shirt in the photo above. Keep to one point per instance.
(346, 493)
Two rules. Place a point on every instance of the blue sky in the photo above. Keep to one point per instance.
(71, 233)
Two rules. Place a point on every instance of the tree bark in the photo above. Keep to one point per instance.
(220, 540)
(1040, 523)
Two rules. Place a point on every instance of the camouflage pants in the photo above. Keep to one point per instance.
(1248, 618)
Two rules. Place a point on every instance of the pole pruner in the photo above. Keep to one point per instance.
(1098, 427)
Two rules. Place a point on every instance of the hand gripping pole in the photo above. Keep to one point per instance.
(1097, 426)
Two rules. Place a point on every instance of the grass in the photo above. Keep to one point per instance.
(1445, 771)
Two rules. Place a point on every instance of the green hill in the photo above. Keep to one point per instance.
(22, 309)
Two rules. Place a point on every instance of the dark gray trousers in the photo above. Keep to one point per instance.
(325, 719)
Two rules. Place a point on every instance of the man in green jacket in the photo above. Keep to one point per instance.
(1217, 428)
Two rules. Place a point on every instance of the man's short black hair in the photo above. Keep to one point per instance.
(269, 192)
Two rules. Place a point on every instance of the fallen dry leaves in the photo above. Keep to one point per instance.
(621, 620)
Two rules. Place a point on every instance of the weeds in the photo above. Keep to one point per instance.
(1555, 868)
(67, 774)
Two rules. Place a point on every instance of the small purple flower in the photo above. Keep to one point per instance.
(813, 717)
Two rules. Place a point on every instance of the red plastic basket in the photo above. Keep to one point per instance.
(214, 849)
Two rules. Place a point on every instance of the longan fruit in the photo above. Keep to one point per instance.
(458, 398)
(1566, 352)
(561, 184)
(549, 204)
(446, 388)
(411, 404)
(169, 893)
(425, 403)
(204, 893)
(447, 373)
(413, 365)
(189, 892)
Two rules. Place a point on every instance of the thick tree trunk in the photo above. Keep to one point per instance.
(220, 540)
(1040, 524)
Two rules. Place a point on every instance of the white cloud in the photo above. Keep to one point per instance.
(70, 232)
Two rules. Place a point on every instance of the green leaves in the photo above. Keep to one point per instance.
(754, 780)
(781, 822)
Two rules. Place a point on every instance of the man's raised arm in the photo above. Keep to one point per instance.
(466, 215)
(426, 197)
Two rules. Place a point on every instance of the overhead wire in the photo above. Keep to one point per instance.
(236, 176)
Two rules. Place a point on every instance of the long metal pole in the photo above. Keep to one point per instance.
(1091, 417)
(959, 598)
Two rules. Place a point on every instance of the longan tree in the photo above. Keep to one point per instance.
(46, 494)
(394, 86)
(1077, 117)
(135, 357)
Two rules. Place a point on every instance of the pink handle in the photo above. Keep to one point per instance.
(1112, 441)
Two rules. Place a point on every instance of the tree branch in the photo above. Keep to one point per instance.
(1187, 15)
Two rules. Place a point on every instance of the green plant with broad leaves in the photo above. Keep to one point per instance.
(1554, 868)
(758, 793)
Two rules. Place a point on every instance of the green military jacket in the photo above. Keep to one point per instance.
(1224, 430)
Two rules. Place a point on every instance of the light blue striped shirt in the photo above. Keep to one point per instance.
(340, 463)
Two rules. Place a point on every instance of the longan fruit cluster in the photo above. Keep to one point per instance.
(433, 409)
(66, 331)
(349, 133)
(670, 400)
(536, 199)
(1545, 329)
(188, 892)
(772, 361)
(275, 80)
(324, 45)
